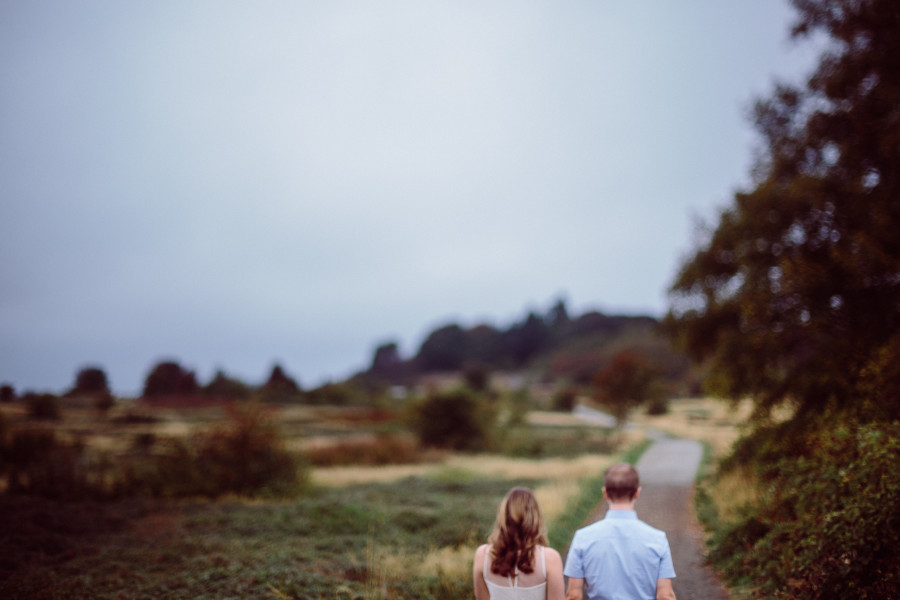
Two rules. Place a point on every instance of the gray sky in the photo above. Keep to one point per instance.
(234, 184)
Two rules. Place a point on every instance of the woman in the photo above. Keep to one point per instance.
(516, 563)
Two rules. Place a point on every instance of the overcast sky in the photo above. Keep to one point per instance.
(235, 184)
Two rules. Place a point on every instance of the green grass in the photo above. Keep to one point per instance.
(314, 547)
(348, 542)
(322, 545)
(536, 441)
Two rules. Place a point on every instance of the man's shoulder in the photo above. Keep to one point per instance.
(598, 527)
(650, 530)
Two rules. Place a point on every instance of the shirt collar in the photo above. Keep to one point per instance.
(621, 514)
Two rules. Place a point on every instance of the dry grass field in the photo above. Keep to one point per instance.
(715, 422)
(369, 532)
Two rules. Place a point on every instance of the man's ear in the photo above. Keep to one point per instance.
(637, 493)
(605, 495)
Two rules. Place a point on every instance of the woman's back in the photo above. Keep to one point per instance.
(518, 529)
(523, 586)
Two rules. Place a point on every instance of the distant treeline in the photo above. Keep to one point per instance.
(554, 346)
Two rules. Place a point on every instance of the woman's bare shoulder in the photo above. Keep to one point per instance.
(479, 552)
(552, 555)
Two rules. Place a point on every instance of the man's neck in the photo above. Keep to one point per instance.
(621, 505)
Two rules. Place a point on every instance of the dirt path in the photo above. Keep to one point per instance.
(667, 470)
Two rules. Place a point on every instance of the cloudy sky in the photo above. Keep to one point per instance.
(235, 184)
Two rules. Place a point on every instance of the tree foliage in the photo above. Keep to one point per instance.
(244, 455)
(386, 361)
(444, 349)
(223, 386)
(795, 296)
(168, 378)
(280, 386)
(42, 407)
(828, 527)
(458, 419)
(625, 383)
(7, 393)
(91, 381)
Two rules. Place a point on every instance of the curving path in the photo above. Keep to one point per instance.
(667, 470)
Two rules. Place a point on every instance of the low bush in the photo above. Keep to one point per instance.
(829, 526)
(36, 461)
(246, 455)
(7, 393)
(564, 399)
(658, 405)
(337, 394)
(457, 419)
(42, 406)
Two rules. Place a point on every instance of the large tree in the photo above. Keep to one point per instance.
(445, 349)
(91, 381)
(795, 295)
(168, 378)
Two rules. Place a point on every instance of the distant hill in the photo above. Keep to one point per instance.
(553, 347)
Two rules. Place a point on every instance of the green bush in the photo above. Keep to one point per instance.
(337, 394)
(658, 405)
(44, 407)
(7, 393)
(246, 455)
(36, 461)
(564, 399)
(829, 527)
(90, 381)
(457, 419)
(104, 402)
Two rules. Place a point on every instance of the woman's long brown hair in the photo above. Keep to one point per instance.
(518, 530)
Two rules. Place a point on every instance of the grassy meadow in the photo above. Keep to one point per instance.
(404, 528)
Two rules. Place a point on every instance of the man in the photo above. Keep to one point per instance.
(620, 557)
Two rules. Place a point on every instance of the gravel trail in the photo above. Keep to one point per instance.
(667, 470)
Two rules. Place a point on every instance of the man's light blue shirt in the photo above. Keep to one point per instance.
(620, 558)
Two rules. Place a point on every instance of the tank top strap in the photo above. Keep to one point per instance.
(543, 563)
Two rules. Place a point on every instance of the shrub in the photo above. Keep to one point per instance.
(223, 386)
(457, 419)
(829, 527)
(91, 381)
(626, 382)
(564, 399)
(104, 402)
(42, 406)
(168, 378)
(36, 461)
(658, 405)
(280, 387)
(7, 393)
(336, 394)
(477, 376)
(246, 455)
(518, 403)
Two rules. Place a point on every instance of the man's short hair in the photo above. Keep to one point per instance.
(621, 482)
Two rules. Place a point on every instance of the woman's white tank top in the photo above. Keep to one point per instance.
(513, 591)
